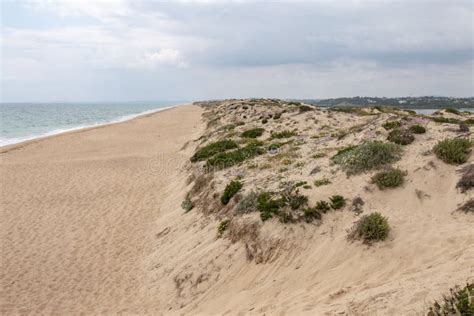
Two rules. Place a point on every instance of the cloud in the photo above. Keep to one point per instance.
(241, 48)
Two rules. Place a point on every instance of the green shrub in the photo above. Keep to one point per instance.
(454, 150)
(305, 108)
(321, 182)
(187, 205)
(230, 190)
(372, 227)
(391, 178)
(469, 121)
(337, 202)
(230, 158)
(296, 201)
(391, 125)
(284, 134)
(459, 301)
(222, 227)
(318, 155)
(267, 205)
(367, 156)
(311, 213)
(401, 137)
(417, 129)
(440, 119)
(322, 206)
(212, 149)
(453, 111)
(277, 116)
(253, 133)
(248, 203)
(265, 121)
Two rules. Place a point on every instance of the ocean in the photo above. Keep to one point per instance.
(26, 121)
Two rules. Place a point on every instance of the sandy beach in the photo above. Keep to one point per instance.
(78, 212)
(92, 224)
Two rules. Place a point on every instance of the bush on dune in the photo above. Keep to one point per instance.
(253, 133)
(213, 148)
(230, 158)
(401, 137)
(459, 301)
(230, 190)
(453, 150)
(417, 129)
(283, 134)
(372, 227)
(367, 156)
(391, 125)
(391, 178)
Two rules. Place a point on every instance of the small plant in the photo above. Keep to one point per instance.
(230, 190)
(252, 133)
(277, 116)
(452, 111)
(283, 134)
(267, 205)
(372, 227)
(337, 202)
(469, 121)
(321, 182)
(222, 227)
(370, 155)
(318, 155)
(187, 205)
(212, 149)
(454, 150)
(391, 125)
(305, 108)
(265, 121)
(401, 137)
(459, 301)
(390, 178)
(311, 213)
(322, 206)
(417, 129)
(248, 203)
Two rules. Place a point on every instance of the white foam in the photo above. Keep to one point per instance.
(12, 141)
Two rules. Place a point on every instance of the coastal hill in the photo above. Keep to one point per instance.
(339, 211)
(256, 206)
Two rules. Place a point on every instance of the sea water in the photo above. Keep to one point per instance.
(26, 121)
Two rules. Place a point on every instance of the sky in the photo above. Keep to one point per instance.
(125, 50)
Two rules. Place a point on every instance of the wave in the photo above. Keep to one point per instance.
(16, 140)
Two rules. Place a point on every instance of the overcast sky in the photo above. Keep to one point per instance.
(190, 50)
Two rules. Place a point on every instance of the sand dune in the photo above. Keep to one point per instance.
(92, 223)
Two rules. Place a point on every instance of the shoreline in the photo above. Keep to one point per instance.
(123, 119)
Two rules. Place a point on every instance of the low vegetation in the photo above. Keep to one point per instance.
(322, 206)
(230, 158)
(321, 182)
(230, 190)
(337, 202)
(367, 156)
(248, 203)
(453, 150)
(417, 129)
(222, 227)
(459, 301)
(390, 178)
(284, 134)
(213, 148)
(372, 227)
(401, 137)
(441, 119)
(453, 111)
(253, 133)
(391, 125)
(187, 205)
